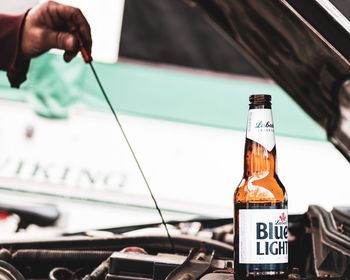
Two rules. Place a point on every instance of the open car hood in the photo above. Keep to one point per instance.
(303, 46)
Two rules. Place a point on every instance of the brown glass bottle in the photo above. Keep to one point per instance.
(260, 201)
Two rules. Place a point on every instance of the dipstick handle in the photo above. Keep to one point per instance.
(86, 56)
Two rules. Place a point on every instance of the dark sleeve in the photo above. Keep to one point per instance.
(11, 59)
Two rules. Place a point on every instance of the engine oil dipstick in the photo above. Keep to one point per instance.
(88, 59)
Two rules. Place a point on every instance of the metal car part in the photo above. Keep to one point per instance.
(9, 272)
(197, 263)
(331, 248)
(165, 266)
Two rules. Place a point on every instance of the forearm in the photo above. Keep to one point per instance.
(11, 60)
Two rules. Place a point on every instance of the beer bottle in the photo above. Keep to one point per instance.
(260, 201)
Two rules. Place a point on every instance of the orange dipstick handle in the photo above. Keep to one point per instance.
(87, 58)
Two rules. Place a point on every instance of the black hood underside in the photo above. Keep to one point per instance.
(303, 45)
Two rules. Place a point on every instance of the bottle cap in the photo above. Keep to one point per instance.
(260, 99)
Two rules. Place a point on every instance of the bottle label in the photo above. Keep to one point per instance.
(260, 128)
(263, 236)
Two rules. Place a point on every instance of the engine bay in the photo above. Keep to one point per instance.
(319, 247)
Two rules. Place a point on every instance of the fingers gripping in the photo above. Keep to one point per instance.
(75, 18)
(49, 26)
(62, 40)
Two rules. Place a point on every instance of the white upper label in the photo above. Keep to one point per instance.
(260, 128)
(263, 236)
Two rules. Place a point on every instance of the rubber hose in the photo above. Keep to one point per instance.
(52, 256)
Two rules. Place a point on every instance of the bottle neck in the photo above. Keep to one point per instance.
(260, 149)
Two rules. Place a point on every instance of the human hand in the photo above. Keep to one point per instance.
(49, 26)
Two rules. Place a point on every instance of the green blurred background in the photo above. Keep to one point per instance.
(54, 86)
